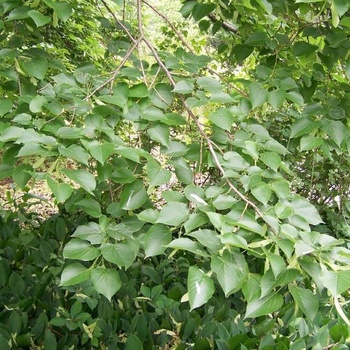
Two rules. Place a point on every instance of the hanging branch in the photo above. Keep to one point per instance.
(196, 121)
(227, 26)
(210, 144)
(184, 42)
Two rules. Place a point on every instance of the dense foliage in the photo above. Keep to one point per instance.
(200, 179)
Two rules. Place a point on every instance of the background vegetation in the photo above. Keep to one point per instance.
(198, 162)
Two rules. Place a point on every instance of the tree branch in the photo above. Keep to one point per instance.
(198, 125)
(227, 26)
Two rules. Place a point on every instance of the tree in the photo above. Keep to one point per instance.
(187, 198)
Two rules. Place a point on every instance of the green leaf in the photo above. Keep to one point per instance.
(73, 274)
(207, 238)
(256, 39)
(302, 48)
(221, 97)
(341, 6)
(224, 201)
(184, 87)
(21, 174)
(257, 95)
(116, 100)
(156, 239)
(80, 250)
(75, 152)
(12, 133)
(66, 132)
(173, 214)
(5, 171)
(209, 84)
(306, 300)
(36, 67)
(248, 222)
(231, 270)
(5, 106)
(277, 263)
(187, 245)
(195, 220)
(173, 119)
(138, 91)
(148, 215)
(295, 97)
(306, 210)
(133, 196)
(90, 206)
(271, 159)
(264, 306)
(304, 126)
(336, 130)
(83, 178)
(201, 10)
(19, 12)
(129, 153)
(251, 148)
(222, 118)
(337, 282)
(61, 191)
(37, 103)
(39, 19)
(308, 143)
(235, 161)
(182, 170)
(62, 9)
(281, 188)
(233, 240)
(91, 232)
(105, 281)
(283, 211)
(121, 254)
(101, 151)
(219, 222)
(265, 5)
(123, 175)
(200, 287)
(156, 175)
(159, 133)
(176, 149)
(133, 343)
(287, 276)
(262, 192)
(195, 194)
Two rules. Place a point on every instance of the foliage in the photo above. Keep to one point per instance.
(188, 199)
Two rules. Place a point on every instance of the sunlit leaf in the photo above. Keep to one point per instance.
(231, 270)
(105, 281)
(187, 245)
(264, 306)
(73, 274)
(222, 118)
(80, 250)
(257, 94)
(337, 282)
(200, 287)
(306, 300)
(82, 177)
(133, 196)
(156, 239)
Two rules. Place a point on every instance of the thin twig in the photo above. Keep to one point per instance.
(184, 42)
(199, 126)
(126, 30)
(112, 78)
(229, 27)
